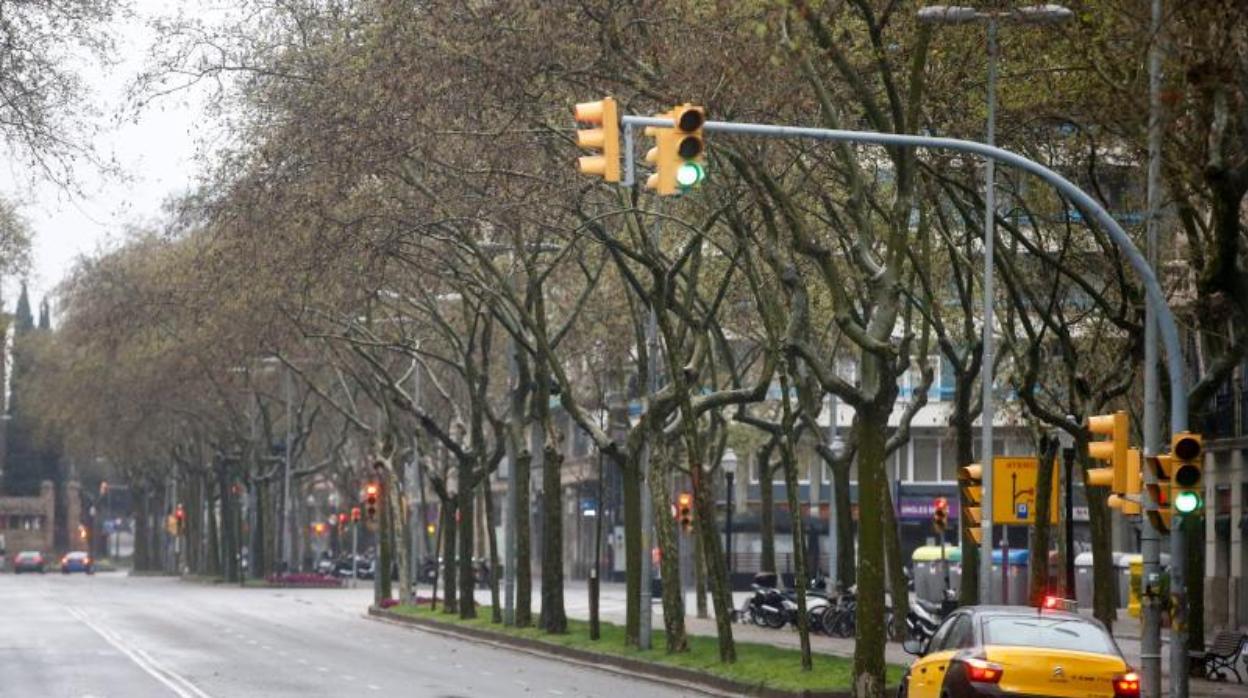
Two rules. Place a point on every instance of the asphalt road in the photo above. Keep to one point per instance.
(111, 635)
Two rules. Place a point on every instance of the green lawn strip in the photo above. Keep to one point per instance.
(759, 665)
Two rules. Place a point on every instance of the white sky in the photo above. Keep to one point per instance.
(156, 153)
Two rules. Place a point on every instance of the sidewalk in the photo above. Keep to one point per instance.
(612, 603)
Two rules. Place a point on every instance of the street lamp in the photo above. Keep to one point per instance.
(729, 463)
(952, 14)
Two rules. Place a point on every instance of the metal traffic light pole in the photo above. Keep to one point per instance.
(1150, 538)
(1162, 321)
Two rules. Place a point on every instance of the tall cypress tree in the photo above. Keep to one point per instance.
(22, 462)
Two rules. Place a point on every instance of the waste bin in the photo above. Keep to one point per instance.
(1083, 580)
(1019, 579)
(929, 570)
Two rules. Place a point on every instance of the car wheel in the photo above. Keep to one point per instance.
(902, 690)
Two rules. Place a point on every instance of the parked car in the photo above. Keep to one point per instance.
(77, 561)
(29, 561)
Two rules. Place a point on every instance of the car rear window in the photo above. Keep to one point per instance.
(1051, 633)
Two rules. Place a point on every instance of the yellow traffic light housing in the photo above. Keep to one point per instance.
(1113, 450)
(684, 505)
(605, 138)
(1187, 493)
(663, 158)
(1159, 492)
(971, 487)
(690, 145)
(1128, 502)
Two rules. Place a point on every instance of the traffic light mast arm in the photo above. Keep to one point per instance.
(1165, 318)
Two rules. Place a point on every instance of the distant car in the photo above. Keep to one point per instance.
(1014, 651)
(77, 561)
(29, 561)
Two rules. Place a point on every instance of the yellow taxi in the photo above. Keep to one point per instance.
(1018, 651)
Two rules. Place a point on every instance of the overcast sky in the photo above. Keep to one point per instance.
(156, 154)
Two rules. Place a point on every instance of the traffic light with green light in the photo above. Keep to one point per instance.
(1186, 488)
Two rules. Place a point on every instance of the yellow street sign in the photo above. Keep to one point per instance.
(1014, 491)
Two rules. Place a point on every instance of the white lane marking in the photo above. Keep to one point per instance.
(303, 662)
(348, 677)
(553, 692)
(374, 687)
(323, 669)
(169, 678)
(267, 648)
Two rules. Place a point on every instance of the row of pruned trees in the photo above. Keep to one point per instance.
(399, 229)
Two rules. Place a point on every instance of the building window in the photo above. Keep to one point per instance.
(926, 455)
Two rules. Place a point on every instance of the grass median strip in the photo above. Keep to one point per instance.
(764, 666)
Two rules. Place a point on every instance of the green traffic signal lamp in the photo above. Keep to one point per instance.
(689, 174)
(1187, 502)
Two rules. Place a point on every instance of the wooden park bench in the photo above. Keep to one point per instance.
(1221, 656)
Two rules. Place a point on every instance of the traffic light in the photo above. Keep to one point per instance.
(605, 138)
(677, 155)
(372, 493)
(1159, 492)
(355, 514)
(319, 528)
(663, 158)
(690, 146)
(1113, 450)
(1128, 502)
(971, 484)
(179, 516)
(684, 510)
(940, 516)
(1187, 493)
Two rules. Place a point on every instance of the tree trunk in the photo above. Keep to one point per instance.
(212, 559)
(524, 547)
(767, 515)
(669, 554)
(846, 564)
(632, 551)
(385, 539)
(791, 489)
(870, 635)
(466, 578)
(699, 578)
(968, 589)
(554, 618)
(1103, 572)
(898, 588)
(1039, 554)
(140, 505)
(448, 527)
(229, 544)
(259, 534)
(487, 506)
(400, 531)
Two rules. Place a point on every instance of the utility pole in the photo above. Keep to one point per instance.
(285, 522)
(1150, 543)
(985, 379)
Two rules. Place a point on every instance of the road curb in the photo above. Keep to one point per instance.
(677, 677)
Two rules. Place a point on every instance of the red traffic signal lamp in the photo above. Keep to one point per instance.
(605, 138)
(940, 515)
(1159, 492)
(179, 517)
(684, 509)
(355, 514)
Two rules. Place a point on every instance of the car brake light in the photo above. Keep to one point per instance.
(1127, 685)
(65, 560)
(980, 671)
(1051, 602)
(86, 560)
